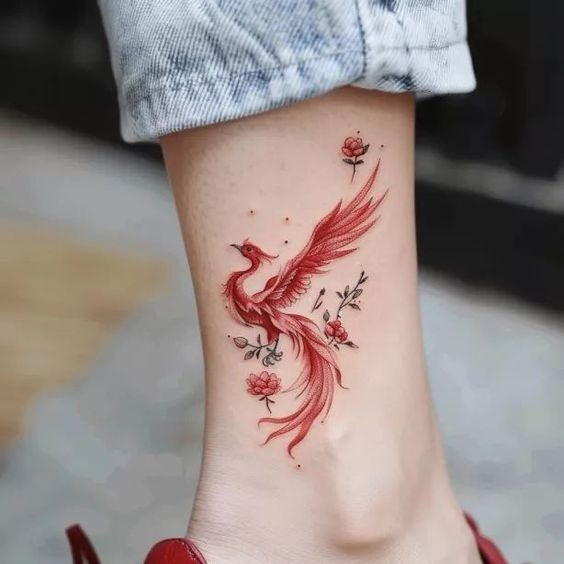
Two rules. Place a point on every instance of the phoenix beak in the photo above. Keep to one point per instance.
(238, 247)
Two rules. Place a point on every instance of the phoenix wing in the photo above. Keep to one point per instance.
(330, 240)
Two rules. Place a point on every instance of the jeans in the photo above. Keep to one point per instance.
(187, 63)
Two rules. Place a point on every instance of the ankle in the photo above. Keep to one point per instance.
(396, 505)
(373, 508)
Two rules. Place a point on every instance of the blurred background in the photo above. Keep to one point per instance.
(100, 369)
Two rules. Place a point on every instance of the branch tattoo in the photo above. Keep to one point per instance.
(315, 348)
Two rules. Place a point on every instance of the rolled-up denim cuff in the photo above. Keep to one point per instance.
(180, 65)
(426, 70)
(157, 110)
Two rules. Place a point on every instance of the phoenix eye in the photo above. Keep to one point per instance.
(249, 249)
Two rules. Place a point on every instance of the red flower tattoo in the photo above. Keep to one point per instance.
(265, 385)
(336, 331)
(333, 237)
(353, 147)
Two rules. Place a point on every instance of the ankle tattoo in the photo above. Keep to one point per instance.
(315, 347)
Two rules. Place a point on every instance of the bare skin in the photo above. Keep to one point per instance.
(368, 483)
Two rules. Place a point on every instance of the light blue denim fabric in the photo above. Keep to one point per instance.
(186, 63)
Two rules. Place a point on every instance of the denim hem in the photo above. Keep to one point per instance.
(153, 111)
(204, 100)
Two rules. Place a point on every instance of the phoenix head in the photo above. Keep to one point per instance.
(253, 252)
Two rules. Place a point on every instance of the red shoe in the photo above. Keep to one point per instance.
(170, 551)
(82, 550)
(175, 551)
(182, 551)
(488, 550)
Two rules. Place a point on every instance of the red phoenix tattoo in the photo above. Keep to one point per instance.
(331, 239)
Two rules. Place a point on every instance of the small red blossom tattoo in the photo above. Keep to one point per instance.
(353, 147)
(264, 385)
(335, 330)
